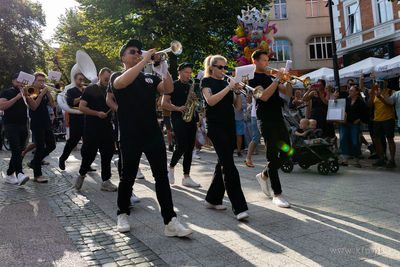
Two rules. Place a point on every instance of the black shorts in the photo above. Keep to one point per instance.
(384, 128)
(167, 122)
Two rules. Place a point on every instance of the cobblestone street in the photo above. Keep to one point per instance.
(340, 219)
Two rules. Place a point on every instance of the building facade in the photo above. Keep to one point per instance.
(366, 28)
(303, 36)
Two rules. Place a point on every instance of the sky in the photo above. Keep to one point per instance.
(53, 9)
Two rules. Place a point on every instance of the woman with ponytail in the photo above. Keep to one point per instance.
(221, 98)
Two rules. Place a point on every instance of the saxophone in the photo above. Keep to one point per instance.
(191, 104)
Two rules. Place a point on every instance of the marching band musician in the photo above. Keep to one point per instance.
(76, 121)
(135, 93)
(185, 132)
(221, 129)
(14, 119)
(98, 132)
(41, 127)
(269, 116)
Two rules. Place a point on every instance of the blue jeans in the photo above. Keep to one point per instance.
(16, 135)
(352, 131)
(256, 132)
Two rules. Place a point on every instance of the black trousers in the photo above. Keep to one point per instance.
(97, 139)
(131, 151)
(226, 176)
(76, 133)
(16, 135)
(275, 135)
(185, 133)
(45, 144)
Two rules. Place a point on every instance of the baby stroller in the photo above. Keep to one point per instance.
(308, 154)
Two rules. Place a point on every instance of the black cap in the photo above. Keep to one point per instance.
(184, 65)
(15, 76)
(132, 42)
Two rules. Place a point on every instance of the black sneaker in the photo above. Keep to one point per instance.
(171, 148)
(30, 165)
(379, 162)
(374, 156)
(391, 164)
(61, 163)
(369, 147)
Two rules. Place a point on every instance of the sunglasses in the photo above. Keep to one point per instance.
(133, 52)
(351, 84)
(220, 67)
(106, 79)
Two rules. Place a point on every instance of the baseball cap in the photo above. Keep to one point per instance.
(382, 78)
(15, 76)
(132, 42)
(184, 65)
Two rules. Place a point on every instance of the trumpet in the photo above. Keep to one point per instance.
(175, 48)
(288, 78)
(257, 92)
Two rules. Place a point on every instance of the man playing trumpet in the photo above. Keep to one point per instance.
(135, 94)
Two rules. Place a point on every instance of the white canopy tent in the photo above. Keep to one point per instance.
(355, 70)
(315, 76)
(389, 68)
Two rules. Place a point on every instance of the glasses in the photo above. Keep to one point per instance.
(41, 81)
(81, 79)
(133, 52)
(351, 84)
(220, 67)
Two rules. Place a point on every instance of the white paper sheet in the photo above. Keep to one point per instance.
(54, 76)
(244, 73)
(25, 78)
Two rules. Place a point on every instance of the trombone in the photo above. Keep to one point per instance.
(257, 92)
(288, 78)
(31, 91)
(56, 88)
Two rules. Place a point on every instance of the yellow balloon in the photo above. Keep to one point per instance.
(239, 32)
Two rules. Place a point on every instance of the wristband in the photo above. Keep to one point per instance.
(237, 93)
(276, 80)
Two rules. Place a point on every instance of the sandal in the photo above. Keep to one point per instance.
(45, 162)
(343, 164)
(249, 164)
(357, 165)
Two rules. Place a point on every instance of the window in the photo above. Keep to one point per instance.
(281, 50)
(353, 18)
(312, 8)
(384, 10)
(280, 9)
(320, 47)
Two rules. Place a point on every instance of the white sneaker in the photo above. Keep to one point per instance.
(194, 155)
(189, 182)
(22, 178)
(10, 179)
(217, 207)
(174, 228)
(242, 216)
(123, 223)
(116, 162)
(108, 186)
(134, 199)
(280, 202)
(79, 181)
(171, 177)
(139, 174)
(264, 184)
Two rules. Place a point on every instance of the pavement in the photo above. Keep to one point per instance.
(350, 218)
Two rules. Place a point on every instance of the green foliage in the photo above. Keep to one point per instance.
(203, 27)
(21, 45)
(70, 36)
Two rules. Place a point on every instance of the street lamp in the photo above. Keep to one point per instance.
(334, 56)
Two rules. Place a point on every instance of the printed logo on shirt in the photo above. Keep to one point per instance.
(149, 80)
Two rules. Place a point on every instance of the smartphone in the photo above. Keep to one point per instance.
(367, 75)
(382, 85)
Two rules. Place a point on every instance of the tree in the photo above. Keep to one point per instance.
(69, 34)
(21, 45)
(203, 27)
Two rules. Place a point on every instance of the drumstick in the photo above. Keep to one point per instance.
(108, 111)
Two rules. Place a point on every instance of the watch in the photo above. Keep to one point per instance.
(276, 80)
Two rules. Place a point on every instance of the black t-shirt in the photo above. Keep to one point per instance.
(95, 96)
(179, 97)
(223, 111)
(270, 110)
(40, 117)
(137, 114)
(355, 111)
(16, 114)
(72, 94)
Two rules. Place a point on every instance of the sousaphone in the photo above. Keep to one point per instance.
(84, 65)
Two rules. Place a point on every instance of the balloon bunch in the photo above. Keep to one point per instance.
(253, 33)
